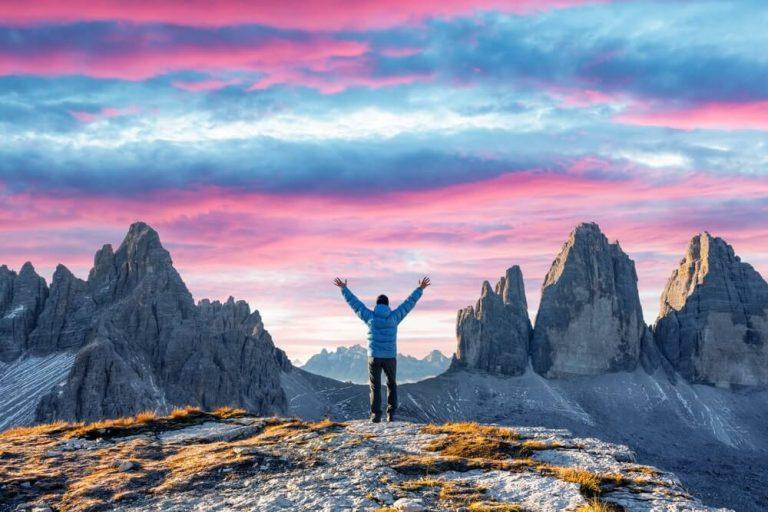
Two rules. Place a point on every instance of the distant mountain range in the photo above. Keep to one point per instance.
(350, 364)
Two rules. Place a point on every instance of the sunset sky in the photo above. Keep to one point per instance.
(276, 145)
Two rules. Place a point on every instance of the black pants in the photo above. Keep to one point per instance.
(389, 365)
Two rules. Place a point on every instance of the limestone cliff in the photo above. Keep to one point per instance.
(589, 321)
(494, 335)
(713, 319)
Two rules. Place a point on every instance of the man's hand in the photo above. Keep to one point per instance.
(424, 282)
(341, 284)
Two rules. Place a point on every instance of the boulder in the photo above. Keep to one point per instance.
(713, 318)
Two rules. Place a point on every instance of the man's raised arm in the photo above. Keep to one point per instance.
(406, 307)
(356, 304)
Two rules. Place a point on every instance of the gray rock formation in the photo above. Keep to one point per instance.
(22, 297)
(590, 320)
(66, 317)
(141, 341)
(494, 335)
(713, 320)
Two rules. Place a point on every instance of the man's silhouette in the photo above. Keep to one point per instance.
(382, 342)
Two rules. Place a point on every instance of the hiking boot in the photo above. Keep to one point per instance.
(375, 418)
(390, 417)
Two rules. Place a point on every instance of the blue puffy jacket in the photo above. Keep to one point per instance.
(382, 322)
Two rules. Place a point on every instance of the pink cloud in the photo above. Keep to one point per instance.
(205, 85)
(715, 116)
(579, 98)
(104, 113)
(147, 61)
(312, 15)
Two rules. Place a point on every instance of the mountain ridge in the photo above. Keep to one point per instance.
(139, 340)
(351, 364)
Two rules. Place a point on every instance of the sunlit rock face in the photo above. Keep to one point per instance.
(589, 321)
(713, 320)
(494, 335)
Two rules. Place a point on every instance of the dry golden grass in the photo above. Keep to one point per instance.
(283, 430)
(89, 480)
(36, 430)
(99, 482)
(149, 420)
(183, 412)
(645, 470)
(471, 446)
(616, 479)
(536, 445)
(471, 440)
(420, 483)
(430, 465)
(459, 493)
(199, 463)
(146, 416)
(472, 428)
(587, 481)
(595, 505)
(229, 412)
(450, 493)
(117, 424)
(494, 506)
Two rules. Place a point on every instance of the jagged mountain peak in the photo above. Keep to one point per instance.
(494, 335)
(708, 260)
(135, 338)
(586, 228)
(590, 320)
(28, 269)
(140, 229)
(584, 242)
(435, 355)
(141, 242)
(511, 287)
(62, 273)
(713, 317)
(139, 263)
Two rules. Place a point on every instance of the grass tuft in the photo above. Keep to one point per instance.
(494, 506)
(537, 445)
(36, 430)
(596, 505)
(472, 428)
(229, 412)
(183, 412)
(588, 482)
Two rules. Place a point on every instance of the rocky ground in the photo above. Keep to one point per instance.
(228, 460)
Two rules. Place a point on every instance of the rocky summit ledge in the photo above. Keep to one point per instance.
(228, 460)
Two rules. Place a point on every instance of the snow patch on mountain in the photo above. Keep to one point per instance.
(24, 381)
